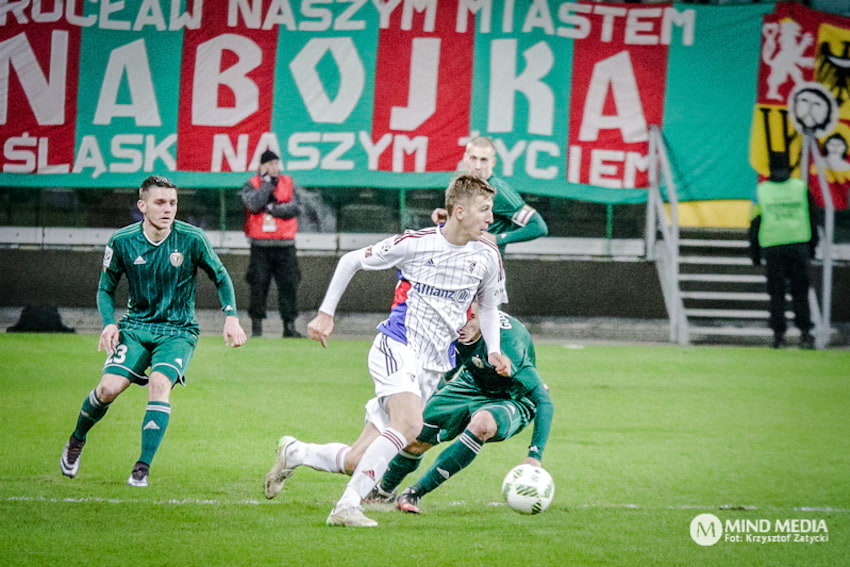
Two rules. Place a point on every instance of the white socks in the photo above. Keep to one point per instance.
(372, 467)
(329, 457)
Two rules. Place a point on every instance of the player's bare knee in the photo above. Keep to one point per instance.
(482, 425)
(411, 427)
(110, 386)
(159, 387)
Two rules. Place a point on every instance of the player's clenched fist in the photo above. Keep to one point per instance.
(320, 328)
(500, 362)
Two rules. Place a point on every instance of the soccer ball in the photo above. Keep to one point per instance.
(528, 489)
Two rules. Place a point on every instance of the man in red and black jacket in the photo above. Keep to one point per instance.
(271, 221)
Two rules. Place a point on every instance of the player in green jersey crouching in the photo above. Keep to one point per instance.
(477, 405)
(161, 257)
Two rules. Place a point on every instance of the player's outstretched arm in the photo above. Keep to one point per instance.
(108, 338)
(320, 328)
(234, 334)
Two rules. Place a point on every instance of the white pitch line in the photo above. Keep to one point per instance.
(252, 502)
(85, 500)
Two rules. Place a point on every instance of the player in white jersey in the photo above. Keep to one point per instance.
(441, 270)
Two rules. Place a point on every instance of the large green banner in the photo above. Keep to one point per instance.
(379, 93)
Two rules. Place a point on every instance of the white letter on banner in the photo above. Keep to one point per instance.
(323, 16)
(609, 13)
(466, 6)
(119, 150)
(504, 83)
(422, 86)
(209, 78)
(131, 59)
(343, 21)
(537, 147)
(187, 19)
(684, 20)
(75, 19)
(605, 168)
(89, 155)
(16, 9)
(374, 149)
(249, 11)
(15, 150)
(45, 95)
(351, 73)
(579, 25)
(279, 14)
(385, 9)
(617, 74)
(149, 14)
(108, 7)
(42, 17)
(639, 26)
(508, 157)
(402, 146)
(302, 145)
(223, 149)
(427, 6)
(160, 150)
(539, 16)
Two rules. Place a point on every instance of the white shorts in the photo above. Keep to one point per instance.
(395, 369)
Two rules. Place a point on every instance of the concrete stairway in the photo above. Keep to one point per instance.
(724, 295)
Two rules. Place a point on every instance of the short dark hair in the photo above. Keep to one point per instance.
(155, 181)
(465, 187)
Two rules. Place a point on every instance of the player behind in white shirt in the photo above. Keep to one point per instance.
(441, 270)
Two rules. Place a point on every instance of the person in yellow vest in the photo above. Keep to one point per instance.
(784, 230)
(271, 221)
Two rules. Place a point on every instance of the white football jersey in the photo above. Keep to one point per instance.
(437, 283)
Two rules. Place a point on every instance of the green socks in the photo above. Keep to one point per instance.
(153, 429)
(456, 457)
(402, 465)
(91, 412)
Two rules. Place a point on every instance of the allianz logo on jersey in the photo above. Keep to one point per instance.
(459, 295)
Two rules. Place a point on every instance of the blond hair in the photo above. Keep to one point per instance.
(465, 188)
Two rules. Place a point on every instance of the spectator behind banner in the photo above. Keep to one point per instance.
(513, 219)
(271, 221)
(783, 226)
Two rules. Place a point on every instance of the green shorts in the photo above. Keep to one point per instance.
(448, 412)
(139, 350)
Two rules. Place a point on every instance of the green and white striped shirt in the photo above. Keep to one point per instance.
(161, 277)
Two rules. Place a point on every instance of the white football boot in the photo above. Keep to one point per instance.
(280, 471)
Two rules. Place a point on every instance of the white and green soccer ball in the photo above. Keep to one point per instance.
(528, 489)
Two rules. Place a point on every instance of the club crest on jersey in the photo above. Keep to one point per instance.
(477, 362)
(471, 266)
(176, 259)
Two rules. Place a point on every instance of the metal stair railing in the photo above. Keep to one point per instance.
(665, 252)
(822, 318)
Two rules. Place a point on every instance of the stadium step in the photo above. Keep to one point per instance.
(723, 294)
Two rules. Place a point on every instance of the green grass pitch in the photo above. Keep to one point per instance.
(645, 438)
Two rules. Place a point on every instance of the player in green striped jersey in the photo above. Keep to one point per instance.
(477, 406)
(160, 257)
(513, 219)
